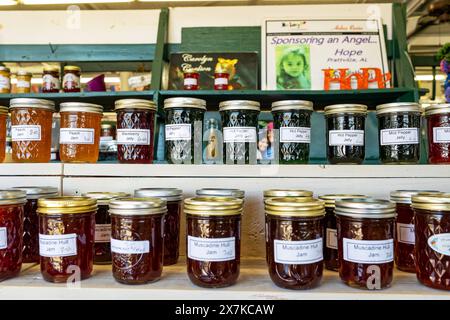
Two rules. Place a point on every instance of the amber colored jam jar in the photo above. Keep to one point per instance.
(213, 240)
(219, 192)
(330, 243)
(31, 129)
(432, 231)
(66, 237)
(30, 252)
(102, 247)
(71, 79)
(51, 82)
(79, 133)
(23, 84)
(190, 81)
(345, 125)
(137, 239)
(438, 129)
(11, 229)
(174, 200)
(3, 117)
(221, 81)
(135, 128)
(294, 240)
(5, 80)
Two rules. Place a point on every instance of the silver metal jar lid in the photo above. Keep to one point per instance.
(239, 105)
(38, 192)
(137, 206)
(168, 194)
(219, 192)
(292, 105)
(11, 196)
(32, 103)
(365, 208)
(330, 199)
(80, 107)
(284, 193)
(404, 196)
(104, 198)
(134, 104)
(183, 102)
(443, 108)
(345, 108)
(398, 107)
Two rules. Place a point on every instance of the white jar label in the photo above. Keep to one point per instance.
(26, 133)
(50, 82)
(239, 134)
(102, 233)
(133, 136)
(106, 138)
(295, 134)
(3, 238)
(76, 136)
(5, 83)
(178, 132)
(71, 81)
(368, 251)
(23, 84)
(190, 82)
(331, 238)
(58, 245)
(440, 243)
(130, 247)
(211, 249)
(221, 81)
(441, 135)
(298, 252)
(399, 136)
(346, 137)
(405, 233)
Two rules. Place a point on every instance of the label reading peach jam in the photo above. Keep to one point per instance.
(26, 133)
(211, 249)
(133, 136)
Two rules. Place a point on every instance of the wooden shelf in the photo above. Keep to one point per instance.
(31, 169)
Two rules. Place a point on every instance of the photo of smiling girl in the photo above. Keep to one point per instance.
(293, 70)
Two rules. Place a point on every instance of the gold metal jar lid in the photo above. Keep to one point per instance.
(284, 193)
(330, 199)
(294, 207)
(292, 105)
(66, 205)
(442, 108)
(404, 196)
(3, 110)
(106, 126)
(137, 206)
(168, 194)
(51, 69)
(219, 192)
(80, 107)
(72, 68)
(183, 102)
(213, 206)
(435, 202)
(104, 198)
(134, 104)
(239, 105)
(4, 69)
(38, 192)
(345, 108)
(398, 107)
(11, 196)
(365, 208)
(32, 103)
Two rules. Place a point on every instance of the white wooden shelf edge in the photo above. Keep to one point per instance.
(31, 169)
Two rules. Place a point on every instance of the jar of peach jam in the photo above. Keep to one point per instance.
(23, 81)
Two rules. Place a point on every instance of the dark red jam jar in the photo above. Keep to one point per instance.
(294, 241)
(190, 81)
(213, 240)
(11, 228)
(438, 128)
(174, 200)
(137, 239)
(365, 232)
(66, 237)
(221, 81)
(71, 79)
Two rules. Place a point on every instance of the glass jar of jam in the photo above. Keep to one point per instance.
(345, 125)
(23, 84)
(66, 237)
(30, 252)
(219, 192)
(137, 239)
(438, 127)
(107, 132)
(184, 130)
(399, 132)
(174, 200)
(239, 129)
(432, 232)
(51, 82)
(294, 241)
(79, 133)
(292, 118)
(365, 232)
(135, 128)
(3, 118)
(190, 81)
(330, 247)
(31, 129)
(11, 228)
(221, 81)
(71, 79)
(102, 246)
(213, 240)
(5, 80)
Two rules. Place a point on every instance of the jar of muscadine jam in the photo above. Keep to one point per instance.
(174, 200)
(51, 82)
(184, 130)
(432, 233)
(71, 79)
(220, 192)
(102, 247)
(11, 228)
(330, 247)
(79, 133)
(399, 132)
(135, 128)
(23, 84)
(137, 239)
(345, 126)
(213, 240)
(3, 118)
(294, 241)
(31, 129)
(5, 80)
(66, 237)
(365, 232)
(240, 131)
(438, 129)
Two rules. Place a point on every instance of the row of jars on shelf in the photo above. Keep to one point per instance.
(353, 234)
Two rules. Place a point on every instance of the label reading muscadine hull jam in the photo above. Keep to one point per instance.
(3, 238)
(239, 134)
(440, 243)
(399, 136)
(211, 249)
(405, 233)
(441, 135)
(346, 138)
(130, 247)
(26, 133)
(331, 238)
(102, 233)
(368, 251)
(298, 252)
(58, 245)
(178, 132)
(295, 134)
(133, 136)
(76, 136)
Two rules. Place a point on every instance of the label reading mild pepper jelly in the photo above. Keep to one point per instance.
(211, 249)
(3, 239)
(295, 134)
(399, 136)
(368, 251)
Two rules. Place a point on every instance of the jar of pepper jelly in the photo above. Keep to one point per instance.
(219, 192)
(174, 200)
(5, 80)
(31, 129)
(137, 239)
(221, 81)
(3, 118)
(345, 125)
(71, 79)
(190, 81)
(11, 232)
(51, 82)
(66, 237)
(213, 240)
(432, 233)
(438, 126)
(23, 84)
(294, 240)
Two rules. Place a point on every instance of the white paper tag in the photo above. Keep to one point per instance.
(26, 133)
(76, 136)
(58, 245)
(220, 81)
(368, 251)
(5, 83)
(3, 238)
(102, 233)
(295, 134)
(190, 82)
(298, 252)
(239, 134)
(23, 84)
(133, 136)
(211, 249)
(346, 138)
(130, 247)
(178, 132)
(441, 135)
(440, 243)
(405, 233)
(331, 238)
(399, 136)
